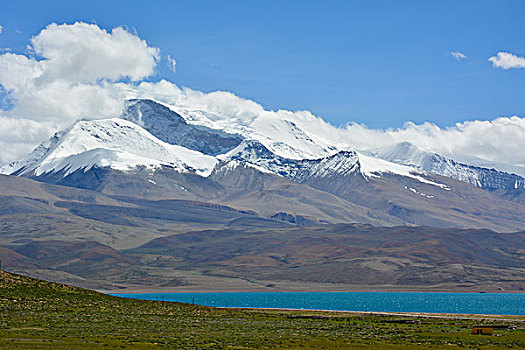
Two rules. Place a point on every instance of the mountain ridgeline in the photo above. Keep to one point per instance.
(270, 167)
(178, 196)
(491, 179)
(170, 127)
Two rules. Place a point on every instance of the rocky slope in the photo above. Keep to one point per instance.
(170, 127)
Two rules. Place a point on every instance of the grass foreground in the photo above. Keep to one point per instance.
(36, 314)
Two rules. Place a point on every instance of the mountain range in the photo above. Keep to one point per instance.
(161, 170)
(273, 167)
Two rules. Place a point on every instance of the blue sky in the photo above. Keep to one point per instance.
(381, 63)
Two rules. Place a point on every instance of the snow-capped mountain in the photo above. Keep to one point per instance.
(270, 143)
(188, 139)
(253, 153)
(270, 165)
(282, 137)
(170, 127)
(286, 141)
(153, 135)
(115, 143)
(342, 163)
(407, 154)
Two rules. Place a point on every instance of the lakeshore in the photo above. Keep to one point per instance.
(45, 315)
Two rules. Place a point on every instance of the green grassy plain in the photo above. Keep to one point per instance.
(36, 314)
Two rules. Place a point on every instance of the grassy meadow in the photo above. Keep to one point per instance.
(36, 314)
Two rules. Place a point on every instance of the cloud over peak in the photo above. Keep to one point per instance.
(507, 60)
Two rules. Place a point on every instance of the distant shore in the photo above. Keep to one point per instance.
(139, 290)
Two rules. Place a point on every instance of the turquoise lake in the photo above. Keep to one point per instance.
(468, 303)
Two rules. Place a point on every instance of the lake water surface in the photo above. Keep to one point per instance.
(468, 303)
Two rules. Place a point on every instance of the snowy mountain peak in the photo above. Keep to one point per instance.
(343, 163)
(409, 155)
(257, 155)
(169, 126)
(284, 137)
(249, 150)
(115, 143)
(145, 111)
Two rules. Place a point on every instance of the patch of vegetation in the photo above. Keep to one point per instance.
(36, 314)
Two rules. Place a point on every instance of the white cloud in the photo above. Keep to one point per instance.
(223, 104)
(84, 52)
(172, 63)
(457, 55)
(78, 70)
(499, 140)
(18, 137)
(72, 72)
(1, 28)
(507, 60)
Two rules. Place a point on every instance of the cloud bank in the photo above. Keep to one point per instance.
(80, 70)
(507, 60)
